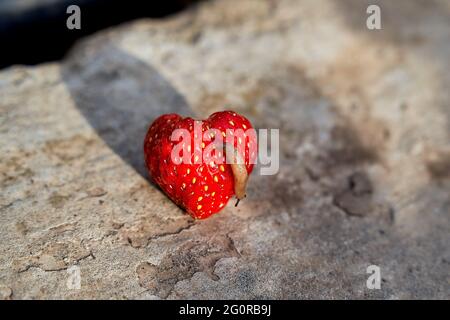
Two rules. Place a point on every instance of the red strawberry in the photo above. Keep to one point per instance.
(200, 184)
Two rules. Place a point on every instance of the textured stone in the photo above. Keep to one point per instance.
(364, 139)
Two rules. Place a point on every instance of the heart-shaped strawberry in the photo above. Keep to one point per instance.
(200, 165)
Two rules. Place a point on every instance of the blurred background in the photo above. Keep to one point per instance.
(34, 31)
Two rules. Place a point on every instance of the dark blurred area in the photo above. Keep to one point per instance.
(34, 31)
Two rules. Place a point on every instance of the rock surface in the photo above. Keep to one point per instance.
(364, 174)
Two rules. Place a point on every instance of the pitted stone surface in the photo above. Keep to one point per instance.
(364, 156)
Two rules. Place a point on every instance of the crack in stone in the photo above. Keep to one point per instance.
(200, 255)
(151, 228)
(54, 257)
(165, 234)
